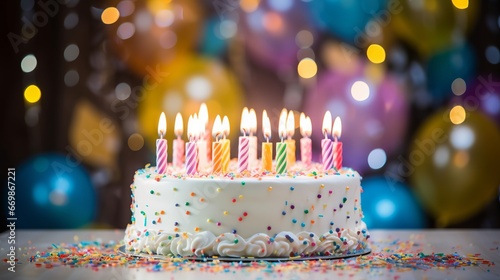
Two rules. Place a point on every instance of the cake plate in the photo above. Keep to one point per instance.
(124, 251)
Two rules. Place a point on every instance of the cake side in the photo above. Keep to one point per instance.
(246, 216)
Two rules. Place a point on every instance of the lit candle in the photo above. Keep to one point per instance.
(191, 149)
(252, 155)
(267, 148)
(203, 116)
(178, 145)
(161, 146)
(217, 146)
(305, 141)
(226, 145)
(326, 144)
(281, 150)
(337, 145)
(244, 142)
(290, 142)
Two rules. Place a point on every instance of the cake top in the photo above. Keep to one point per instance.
(297, 171)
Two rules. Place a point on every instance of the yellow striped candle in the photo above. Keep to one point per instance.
(217, 146)
(226, 145)
(290, 142)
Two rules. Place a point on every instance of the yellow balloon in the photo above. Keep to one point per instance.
(154, 32)
(454, 165)
(94, 138)
(432, 25)
(191, 81)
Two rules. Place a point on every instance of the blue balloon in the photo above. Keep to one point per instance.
(53, 191)
(446, 66)
(390, 205)
(348, 19)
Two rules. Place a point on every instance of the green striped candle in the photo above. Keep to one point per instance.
(281, 158)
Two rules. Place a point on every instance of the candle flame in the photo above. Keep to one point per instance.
(290, 124)
(253, 121)
(244, 124)
(217, 128)
(225, 126)
(162, 125)
(203, 114)
(282, 124)
(178, 126)
(305, 125)
(327, 124)
(337, 128)
(266, 125)
(190, 129)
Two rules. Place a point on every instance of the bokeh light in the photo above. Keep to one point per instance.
(32, 94)
(125, 30)
(458, 86)
(110, 15)
(304, 39)
(135, 142)
(71, 20)
(492, 54)
(460, 4)
(71, 52)
(375, 53)
(307, 68)
(360, 91)
(377, 158)
(249, 5)
(462, 137)
(28, 63)
(457, 114)
(71, 78)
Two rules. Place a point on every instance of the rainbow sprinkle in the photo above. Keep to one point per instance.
(402, 256)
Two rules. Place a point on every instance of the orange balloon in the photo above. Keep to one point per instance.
(192, 81)
(151, 33)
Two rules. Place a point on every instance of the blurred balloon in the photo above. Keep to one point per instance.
(195, 80)
(432, 25)
(374, 114)
(348, 19)
(216, 33)
(483, 94)
(271, 31)
(152, 33)
(94, 138)
(444, 67)
(53, 191)
(453, 163)
(389, 204)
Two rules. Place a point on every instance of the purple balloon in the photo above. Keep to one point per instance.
(270, 30)
(370, 120)
(483, 95)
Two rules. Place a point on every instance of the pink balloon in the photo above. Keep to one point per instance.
(374, 116)
(270, 32)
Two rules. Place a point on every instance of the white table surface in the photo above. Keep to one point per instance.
(484, 242)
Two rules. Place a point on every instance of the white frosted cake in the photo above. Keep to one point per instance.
(302, 213)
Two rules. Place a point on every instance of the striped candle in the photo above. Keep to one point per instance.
(337, 145)
(327, 153)
(290, 142)
(243, 153)
(191, 158)
(281, 160)
(178, 145)
(326, 144)
(216, 157)
(226, 145)
(161, 146)
(305, 141)
(161, 156)
(267, 148)
(226, 155)
(281, 149)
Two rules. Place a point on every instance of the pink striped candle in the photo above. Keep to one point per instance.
(337, 145)
(244, 141)
(326, 144)
(191, 147)
(161, 146)
(305, 141)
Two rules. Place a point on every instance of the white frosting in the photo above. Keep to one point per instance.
(252, 216)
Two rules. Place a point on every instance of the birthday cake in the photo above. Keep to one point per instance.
(305, 212)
